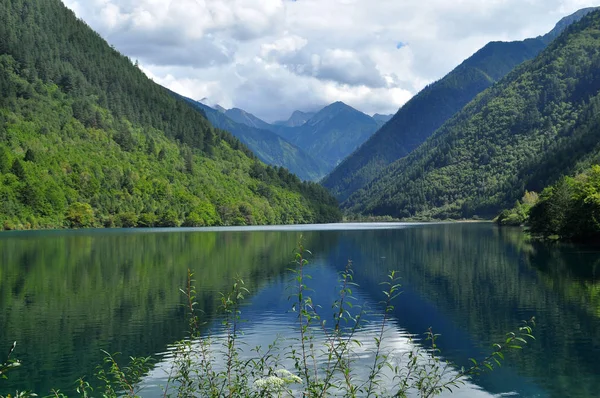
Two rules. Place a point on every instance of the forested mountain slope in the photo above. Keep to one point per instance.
(429, 109)
(86, 139)
(268, 146)
(535, 125)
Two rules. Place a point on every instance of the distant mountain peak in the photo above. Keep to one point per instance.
(338, 105)
(298, 118)
(241, 116)
(382, 119)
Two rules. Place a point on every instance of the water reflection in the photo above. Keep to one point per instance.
(66, 295)
(268, 319)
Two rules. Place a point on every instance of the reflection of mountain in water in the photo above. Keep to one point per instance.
(474, 282)
(268, 315)
(66, 295)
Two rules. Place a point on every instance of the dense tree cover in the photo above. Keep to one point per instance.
(524, 132)
(426, 112)
(267, 145)
(420, 117)
(519, 214)
(569, 209)
(86, 139)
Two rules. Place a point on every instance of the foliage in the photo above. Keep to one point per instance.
(81, 126)
(423, 114)
(427, 111)
(202, 368)
(569, 209)
(524, 132)
(519, 214)
(9, 364)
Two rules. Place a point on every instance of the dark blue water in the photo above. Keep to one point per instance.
(65, 296)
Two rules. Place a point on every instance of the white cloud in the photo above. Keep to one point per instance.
(271, 57)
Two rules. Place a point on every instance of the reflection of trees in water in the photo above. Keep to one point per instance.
(65, 296)
(483, 281)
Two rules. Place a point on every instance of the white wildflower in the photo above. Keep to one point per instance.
(287, 376)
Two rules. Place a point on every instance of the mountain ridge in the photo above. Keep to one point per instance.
(326, 135)
(332, 133)
(538, 123)
(266, 145)
(415, 122)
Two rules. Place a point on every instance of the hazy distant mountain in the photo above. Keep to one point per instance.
(219, 108)
(332, 133)
(241, 116)
(267, 145)
(297, 119)
(328, 135)
(382, 119)
(427, 111)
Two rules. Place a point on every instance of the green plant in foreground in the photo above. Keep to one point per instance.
(319, 362)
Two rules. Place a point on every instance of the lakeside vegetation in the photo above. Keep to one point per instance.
(567, 210)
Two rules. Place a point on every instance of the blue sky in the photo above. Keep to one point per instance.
(271, 57)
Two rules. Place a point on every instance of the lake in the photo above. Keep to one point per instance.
(67, 295)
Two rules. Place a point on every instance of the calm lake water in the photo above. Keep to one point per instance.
(67, 295)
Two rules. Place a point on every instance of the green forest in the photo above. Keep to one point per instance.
(433, 106)
(567, 210)
(87, 140)
(537, 124)
(423, 114)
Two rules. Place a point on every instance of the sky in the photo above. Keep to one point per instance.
(271, 57)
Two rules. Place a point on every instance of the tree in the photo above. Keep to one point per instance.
(18, 169)
(80, 215)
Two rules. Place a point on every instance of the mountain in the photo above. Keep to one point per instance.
(298, 118)
(540, 122)
(328, 135)
(266, 145)
(332, 133)
(87, 139)
(422, 115)
(382, 119)
(220, 108)
(241, 116)
(565, 22)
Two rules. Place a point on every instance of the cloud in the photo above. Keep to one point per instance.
(271, 57)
